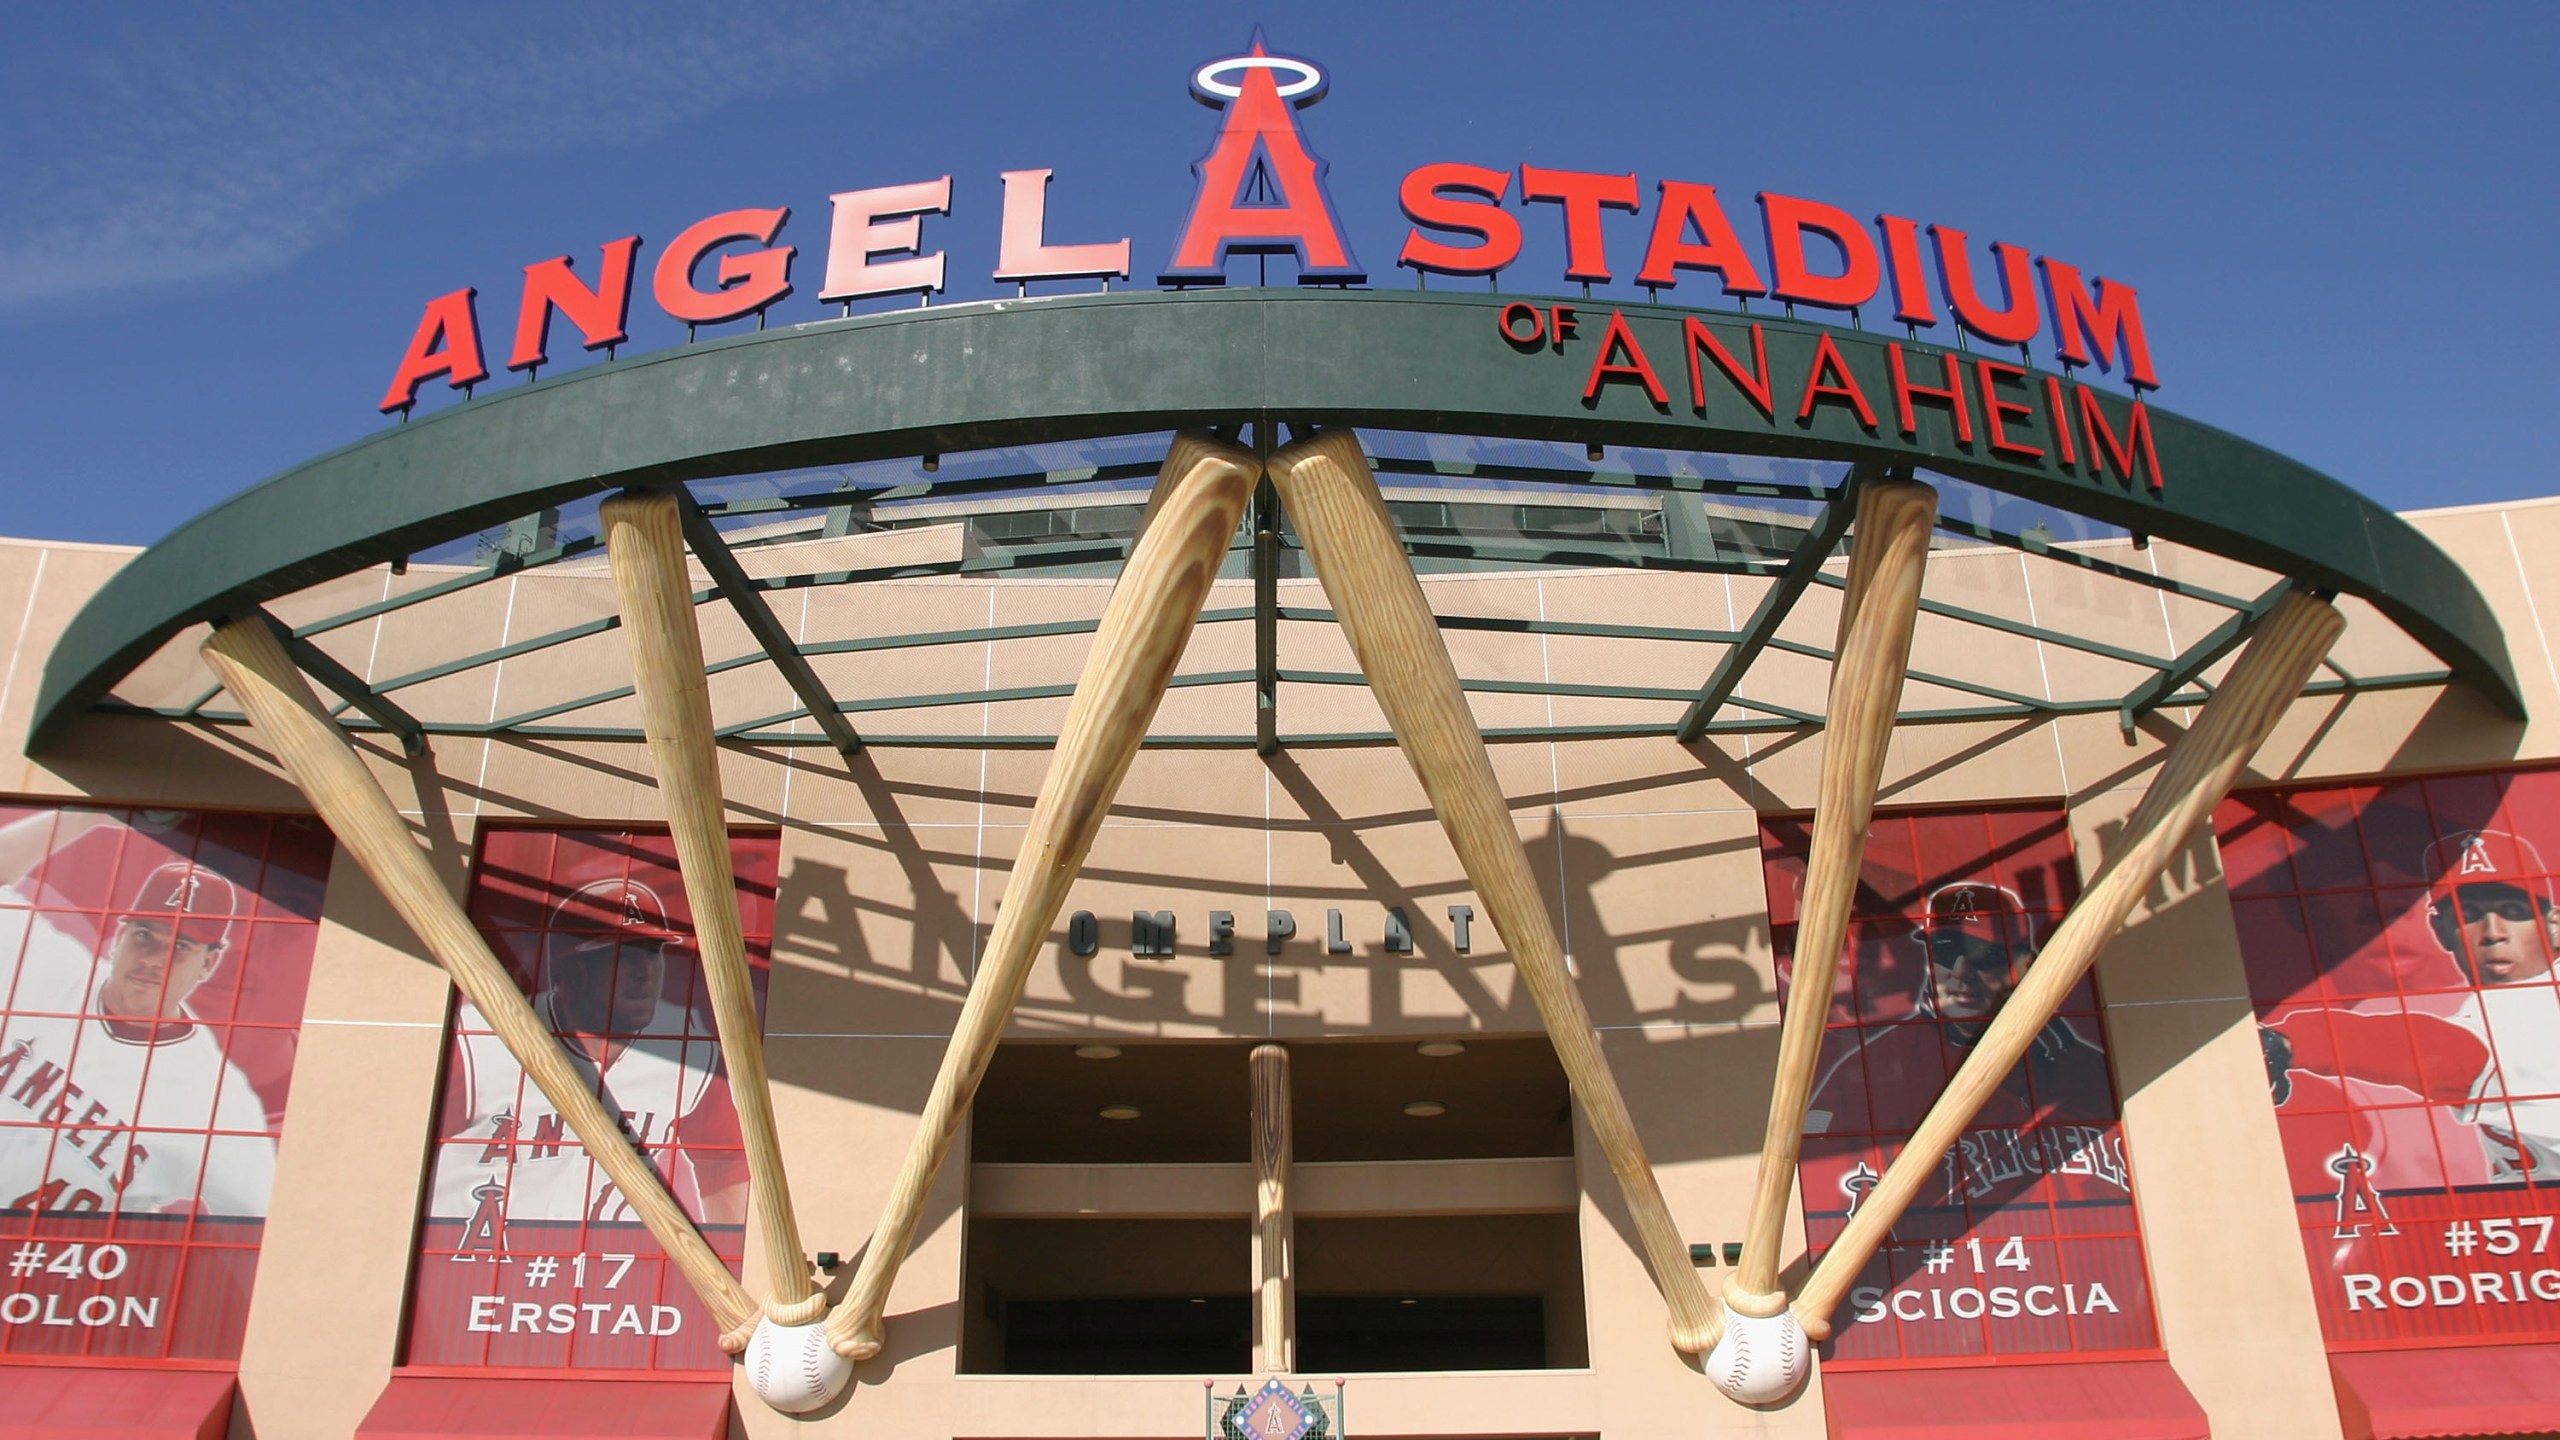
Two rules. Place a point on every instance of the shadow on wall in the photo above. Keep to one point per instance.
(888, 915)
(883, 923)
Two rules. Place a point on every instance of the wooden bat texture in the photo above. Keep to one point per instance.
(2194, 777)
(1325, 482)
(318, 756)
(644, 537)
(1275, 1229)
(1144, 628)
(1877, 613)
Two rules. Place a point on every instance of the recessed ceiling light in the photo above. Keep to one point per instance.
(1097, 1052)
(1441, 1049)
(1119, 1112)
(1424, 1109)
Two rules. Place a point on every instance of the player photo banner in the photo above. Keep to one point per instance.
(529, 1257)
(152, 971)
(2399, 942)
(2027, 1243)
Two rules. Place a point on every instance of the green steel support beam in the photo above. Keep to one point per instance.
(1787, 720)
(1266, 605)
(2065, 555)
(348, 686)
(973, 697)
(2151, 694)
(953, 489)
(2007, 626)
(580, 631)
(508, 563)
(1030, 631)
(1507, 687)
(1584, 479)
(1355, 680)
(1532, 552)
(1521, 625)
(1800, 569)
(1925, 677)
(508, 652)
(777, 643)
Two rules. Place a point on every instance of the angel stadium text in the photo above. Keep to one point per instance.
(524, 1317)
(1972, 1302)
(2441, 1291)
(93, 1312)
(1260, 192)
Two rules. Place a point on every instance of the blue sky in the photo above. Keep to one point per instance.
(218, 225)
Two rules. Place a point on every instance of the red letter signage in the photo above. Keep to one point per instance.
(1685, 208)
(864, 228)
(1024, 252)
(1582, 195)
(600, 314)
(2114, 319)
(2015, 323)
(1606, 366)
(1261, 190)
(447, 343)
(1427, 207)
(1788, 218)
(748, 282)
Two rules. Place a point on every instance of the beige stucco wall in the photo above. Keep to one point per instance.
(892, 866)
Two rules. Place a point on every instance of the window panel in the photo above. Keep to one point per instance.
(529, 1257)
(153, 965)
(2025, 1240)
(2418, 1092)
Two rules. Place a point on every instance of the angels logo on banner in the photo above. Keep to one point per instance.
(2025, 1242)
(2400, 942)
(530, 1256)
(152, 971)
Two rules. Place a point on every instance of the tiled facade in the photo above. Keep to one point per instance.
(1651, 854)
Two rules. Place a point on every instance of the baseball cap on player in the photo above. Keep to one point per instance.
(202, 900)
(1990, 913)
(2485, 857)
(614, 910)
(1976, 935)
(2485, 891)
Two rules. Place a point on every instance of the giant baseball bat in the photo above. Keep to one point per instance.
(2192, 780)
(644, 536)
(318, 756)
(1325, 482)
(1144, 628)
(1274, 1227)
(1877, 612)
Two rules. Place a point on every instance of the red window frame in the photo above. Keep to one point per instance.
(126, 1268)
(2038, 1207)
(664, 1072)
(2379, 1042)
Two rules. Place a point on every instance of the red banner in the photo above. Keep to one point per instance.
(2399, 943)
(530, 1257)
(152, 971)
(2026, 1242)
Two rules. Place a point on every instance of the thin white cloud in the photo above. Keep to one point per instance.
(210, 143)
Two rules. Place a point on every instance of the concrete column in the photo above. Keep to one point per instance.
(326, 1315)
(2228, 1278)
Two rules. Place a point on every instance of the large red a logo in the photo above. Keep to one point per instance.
(1261, 190)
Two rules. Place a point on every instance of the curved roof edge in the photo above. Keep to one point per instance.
(1007, 372)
